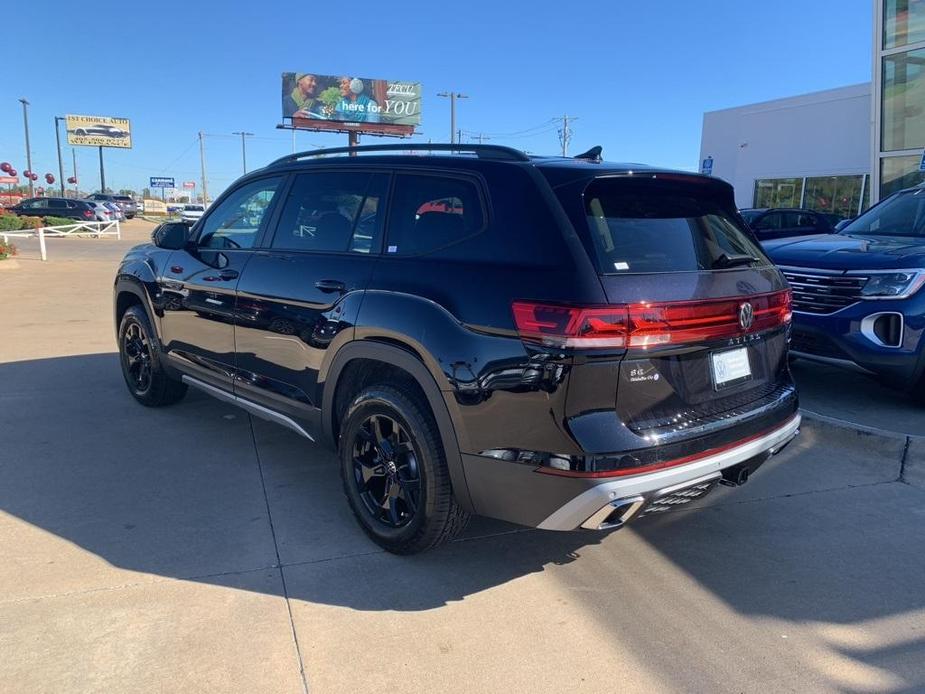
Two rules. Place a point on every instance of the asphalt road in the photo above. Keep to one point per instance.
(194, 549)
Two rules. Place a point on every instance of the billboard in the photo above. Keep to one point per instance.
(328, 102)
(99, 131)
(189, 185)
(161, 182)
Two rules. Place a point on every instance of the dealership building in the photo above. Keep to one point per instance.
(838, 150)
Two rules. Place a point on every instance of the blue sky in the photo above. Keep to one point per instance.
(637, 75)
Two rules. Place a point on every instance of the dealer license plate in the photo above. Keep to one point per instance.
(731, 367)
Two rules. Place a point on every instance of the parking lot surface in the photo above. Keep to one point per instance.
(195, 549)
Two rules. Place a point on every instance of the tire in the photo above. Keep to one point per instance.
(139, 356)
(383, 467)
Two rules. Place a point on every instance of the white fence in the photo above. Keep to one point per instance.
(80, 229)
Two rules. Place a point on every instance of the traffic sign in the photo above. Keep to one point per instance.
(707, 166)
(162, 182)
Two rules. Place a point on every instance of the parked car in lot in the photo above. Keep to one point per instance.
(856, 293)
(192, 213)
(116, 211)
(127, 204)
(100, 211)
(58, 207)
(780, 222)
(560, 343)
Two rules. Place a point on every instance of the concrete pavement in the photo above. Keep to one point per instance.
(193, 549)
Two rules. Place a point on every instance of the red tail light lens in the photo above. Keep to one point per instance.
(88, 214)
(646, 325)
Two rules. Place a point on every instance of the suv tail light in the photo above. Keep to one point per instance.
(88, 213)
(646, 324)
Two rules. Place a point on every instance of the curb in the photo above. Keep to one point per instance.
(907, 450)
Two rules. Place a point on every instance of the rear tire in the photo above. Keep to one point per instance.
(141, 364)
(394, 472)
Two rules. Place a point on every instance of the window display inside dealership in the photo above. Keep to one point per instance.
(845, 196)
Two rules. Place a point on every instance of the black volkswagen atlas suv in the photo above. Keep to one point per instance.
(562, 343)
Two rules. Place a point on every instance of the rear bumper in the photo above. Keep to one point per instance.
(519, 494)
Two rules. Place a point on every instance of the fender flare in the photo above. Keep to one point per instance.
(403, 359)
(127, 284)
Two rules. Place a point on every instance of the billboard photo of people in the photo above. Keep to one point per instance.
(349, 99)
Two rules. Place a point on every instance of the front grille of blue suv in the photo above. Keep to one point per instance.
(857, 293)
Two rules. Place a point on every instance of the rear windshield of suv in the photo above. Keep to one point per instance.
(660, 226)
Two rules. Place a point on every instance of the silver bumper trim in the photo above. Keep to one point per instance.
(593, 501)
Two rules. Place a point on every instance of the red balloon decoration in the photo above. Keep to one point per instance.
(71, 179)
(49, 178)
(34, 176)
(11, 172)
(6, 167)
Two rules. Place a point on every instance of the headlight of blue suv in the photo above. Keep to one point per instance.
(893, 285)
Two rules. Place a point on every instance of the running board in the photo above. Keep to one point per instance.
(249, 406)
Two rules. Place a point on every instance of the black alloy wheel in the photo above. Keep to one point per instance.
(136, 358)
(386, 472)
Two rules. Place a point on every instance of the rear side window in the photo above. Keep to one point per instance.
(332, 212)
(431, 212)
(656, 226)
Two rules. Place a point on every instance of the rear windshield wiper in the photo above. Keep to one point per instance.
(727, 260)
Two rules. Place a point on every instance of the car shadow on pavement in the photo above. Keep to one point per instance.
(820, 536)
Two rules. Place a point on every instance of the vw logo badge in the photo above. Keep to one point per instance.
(746, 315)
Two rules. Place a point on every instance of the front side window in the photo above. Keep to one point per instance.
(432, 212)
(901, 215)
(649, 226)
(332, 212)
(770, 222)
(237, 219)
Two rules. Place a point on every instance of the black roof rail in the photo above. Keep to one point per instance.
(482, 151)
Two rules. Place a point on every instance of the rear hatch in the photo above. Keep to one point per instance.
(706, 313)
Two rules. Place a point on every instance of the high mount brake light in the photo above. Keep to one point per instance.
(645, 324)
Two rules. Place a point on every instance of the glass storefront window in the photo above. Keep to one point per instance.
(834, 194)
(897, 173)
(903, 108)
(778, 192)
(903, 22)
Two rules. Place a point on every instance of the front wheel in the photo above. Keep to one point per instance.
(395, 474)
(144, 375)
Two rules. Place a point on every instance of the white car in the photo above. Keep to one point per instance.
(192, 213)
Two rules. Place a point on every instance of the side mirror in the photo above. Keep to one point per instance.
(171, 236)
(842, 224)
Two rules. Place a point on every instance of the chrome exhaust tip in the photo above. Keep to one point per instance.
(615, 514)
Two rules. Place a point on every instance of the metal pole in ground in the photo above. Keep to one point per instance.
(102, 173)
(60, 163)
(25, 120)
(42, 243)
(202, 164)
(74, 156)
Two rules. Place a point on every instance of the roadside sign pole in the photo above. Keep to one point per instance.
(74, 156)
(102, 174)
(60, 163)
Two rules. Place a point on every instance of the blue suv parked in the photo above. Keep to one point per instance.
(857, 293)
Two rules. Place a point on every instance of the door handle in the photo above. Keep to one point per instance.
(331, 286)
(228, 274)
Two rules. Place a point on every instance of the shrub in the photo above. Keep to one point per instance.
(6, 249)
(32, 222)
(10, 222)
(58, 221)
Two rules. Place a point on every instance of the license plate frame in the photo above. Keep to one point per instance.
(730, 367)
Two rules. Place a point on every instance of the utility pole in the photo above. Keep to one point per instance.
(480, 137)
(459, 135)
(202, 167)
(565, 134)
(243, 147)
(102, 173)
(60, 163)
(453, 97)
(25, 120)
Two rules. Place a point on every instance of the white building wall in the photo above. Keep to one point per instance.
(819, 134)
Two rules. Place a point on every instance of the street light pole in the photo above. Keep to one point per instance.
(243, 147)
(202, 166)
(25, 120)
(453, 97)
(60, 162)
